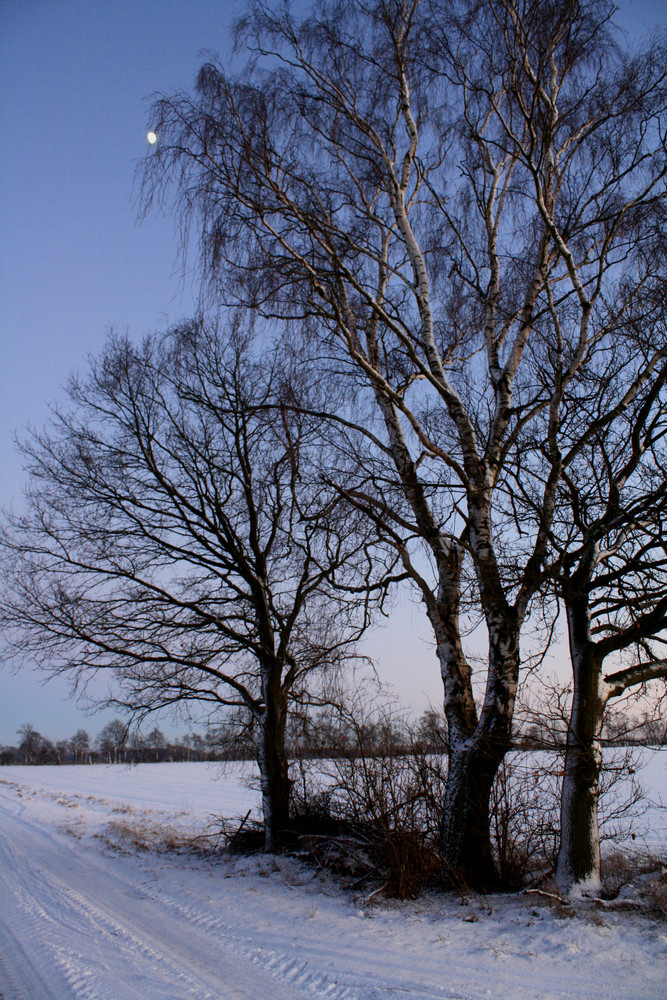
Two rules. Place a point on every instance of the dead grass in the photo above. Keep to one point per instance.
(124, 809)
(145, 834)
(635, 880)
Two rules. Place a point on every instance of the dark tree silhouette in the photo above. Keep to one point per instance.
(177, 535)
(439, 195)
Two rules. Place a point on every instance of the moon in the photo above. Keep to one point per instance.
(152, 138)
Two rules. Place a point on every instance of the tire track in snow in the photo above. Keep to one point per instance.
(279, 964)
(47, 926)
(28, 948)
(91, 935)
(20, 979)
(304, 973)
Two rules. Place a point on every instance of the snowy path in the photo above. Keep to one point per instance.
(84, 924)
(80, 920)
(86, 933)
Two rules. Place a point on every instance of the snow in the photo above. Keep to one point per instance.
(95, 907)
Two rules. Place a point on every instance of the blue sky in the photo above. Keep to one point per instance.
(75, 79)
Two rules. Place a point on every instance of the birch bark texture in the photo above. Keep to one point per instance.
(455, 201)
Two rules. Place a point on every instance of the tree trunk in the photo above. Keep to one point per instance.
(578, 866)
(272, 760)
(466, 841)
(476, 750)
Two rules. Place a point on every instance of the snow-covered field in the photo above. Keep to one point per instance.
(93, 905)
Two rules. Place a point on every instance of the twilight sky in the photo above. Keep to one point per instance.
(74, 80)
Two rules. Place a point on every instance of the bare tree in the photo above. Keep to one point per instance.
(438, 195)
(176, 535)
(80, 746)
(31, 743)
(613, 587)
(112, 742)
(607, 549)
(156, 741)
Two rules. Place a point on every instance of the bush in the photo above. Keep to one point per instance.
(375, 804)
(372, 810)
(525, 817)
(525, 809)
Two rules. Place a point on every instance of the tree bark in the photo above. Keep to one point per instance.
(578, 865)
(466, 842)
(272, 760)
(476, 746)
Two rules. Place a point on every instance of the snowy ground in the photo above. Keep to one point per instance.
(87, 911)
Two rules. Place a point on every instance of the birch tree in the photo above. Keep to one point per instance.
(176, 537)
(612, 579)
(437, 194)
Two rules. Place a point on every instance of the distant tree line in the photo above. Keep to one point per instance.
(236, 739)
(113, 745)
(326, 735)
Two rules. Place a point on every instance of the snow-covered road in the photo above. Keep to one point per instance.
(73, 926)
(85, 914)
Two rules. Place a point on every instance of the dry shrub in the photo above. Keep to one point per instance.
(245, 836)
(525, 810)
(635, 880)
(525, 818)
(623, 799)
(372, 810)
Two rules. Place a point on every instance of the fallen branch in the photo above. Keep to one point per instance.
(548, 895)
(381, 888)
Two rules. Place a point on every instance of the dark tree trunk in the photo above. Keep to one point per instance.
(578, 863)
(273, 764)
(476, 746)
(466, 841)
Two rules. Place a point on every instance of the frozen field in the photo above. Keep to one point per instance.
(92, 906)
